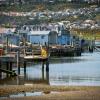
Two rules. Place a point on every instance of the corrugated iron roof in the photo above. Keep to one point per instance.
(39, 32)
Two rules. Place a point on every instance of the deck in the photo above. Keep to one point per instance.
(19, 59)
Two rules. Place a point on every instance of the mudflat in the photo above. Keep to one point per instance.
(60, 92)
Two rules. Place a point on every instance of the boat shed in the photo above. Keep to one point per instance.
(43, 37)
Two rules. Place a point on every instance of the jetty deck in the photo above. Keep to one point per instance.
(34, 57)
(19, 59)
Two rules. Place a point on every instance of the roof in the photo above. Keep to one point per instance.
(39, 32)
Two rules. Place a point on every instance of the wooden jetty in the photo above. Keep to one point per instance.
(65, 51)
(23, 58)
(20, 59)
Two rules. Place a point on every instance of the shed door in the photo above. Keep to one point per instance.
(53, 39)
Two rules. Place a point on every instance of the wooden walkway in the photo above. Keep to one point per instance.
(20, 59)
(10, 59)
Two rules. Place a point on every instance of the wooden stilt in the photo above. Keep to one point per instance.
(43, 70)
(47, 65)
(47, 70)
(10, 66)
(0, 70)
(18, 68)
(7, 67)
(18, 62)
(24, 67)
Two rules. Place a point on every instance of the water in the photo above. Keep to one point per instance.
(23, 94)
(77, 71)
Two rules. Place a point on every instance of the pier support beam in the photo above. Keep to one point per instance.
(24, 67)
(47, 71)
(18, 68)
(7, 67)
(0, 70)
(47, 65)
(43, 70)
(10, 65)
(18, 62)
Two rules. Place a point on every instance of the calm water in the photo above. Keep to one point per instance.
(84, 70)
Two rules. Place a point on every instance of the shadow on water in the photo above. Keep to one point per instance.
(24, 79)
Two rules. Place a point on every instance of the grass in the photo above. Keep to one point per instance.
(88, 33)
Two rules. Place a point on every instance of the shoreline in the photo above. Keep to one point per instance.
(63, 92)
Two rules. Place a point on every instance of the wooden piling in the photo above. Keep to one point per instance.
(0, 70)
(25, 67)
(10, 65)
(47, 65)
(18, 62)
(7, 67)
(43, 70)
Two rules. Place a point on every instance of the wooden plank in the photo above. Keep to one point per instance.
(35, 58)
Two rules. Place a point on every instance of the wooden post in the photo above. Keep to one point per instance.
(7, 67)
(0, 70)
(10, 66)
(47, 76)
(7, 44)
(18, 63)
(24, 67)
(47, 65)
(43, 70)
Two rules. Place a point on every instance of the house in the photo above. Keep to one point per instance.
(43, 37)
(64, 38)
(5, 31)
(38, 37)
(39, 34)
(8, 34)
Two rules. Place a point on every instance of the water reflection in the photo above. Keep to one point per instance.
(84, 70)
(23, 94)
(28, 77)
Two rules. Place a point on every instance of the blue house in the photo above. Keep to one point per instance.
(11, 37)
(42, 37)
(64, 38)
(38, 37)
